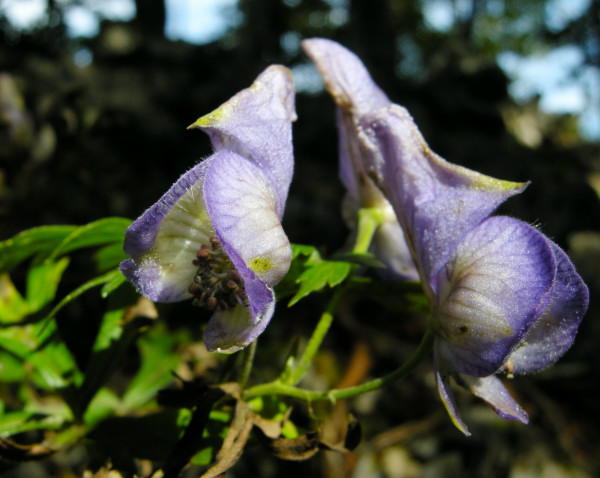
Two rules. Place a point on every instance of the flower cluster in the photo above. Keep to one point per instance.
(504, 298)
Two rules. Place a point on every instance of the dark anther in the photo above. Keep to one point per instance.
(217, 284)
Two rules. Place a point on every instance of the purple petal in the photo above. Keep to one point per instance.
(345, 76)
(355, 93)
(436, 202)
(493, 288)
(242, 205)
(233, 329)
(554, 332)
(492, 390)
(442, 380)
(163, 241)
(256, 124)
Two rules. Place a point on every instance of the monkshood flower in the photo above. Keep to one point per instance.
(215, 236)
(504, 297)
(356, 95)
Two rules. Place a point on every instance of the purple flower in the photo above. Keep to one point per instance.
(504, 298)
(356, 95)
(215, 236)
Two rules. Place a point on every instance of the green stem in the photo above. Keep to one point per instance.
(278, 388)
(248, 360)
(316, 339)
(369, 219)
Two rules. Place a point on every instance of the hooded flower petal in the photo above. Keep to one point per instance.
(491, 291)
(216, 235)
(436, 202)
(257, 124)
(356, 94)
(345, 77)
(242, 204)
(554, 331)
(163, 241)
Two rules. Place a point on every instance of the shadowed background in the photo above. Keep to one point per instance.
(93, 123)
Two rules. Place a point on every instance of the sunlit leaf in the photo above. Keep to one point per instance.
(95, 282)
(317, 276)
(22, 421)
(42, 282)
(13, 307)
(103, 231)
(34, 241)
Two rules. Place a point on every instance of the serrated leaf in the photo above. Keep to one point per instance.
(39, 240)
(304, 250)
(316, 277)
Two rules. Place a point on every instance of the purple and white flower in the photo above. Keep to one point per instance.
(215, 236)
(356, 95)
(504, 297)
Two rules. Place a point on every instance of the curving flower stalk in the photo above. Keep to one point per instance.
(504, 298)
(215, 236)
(356, 95)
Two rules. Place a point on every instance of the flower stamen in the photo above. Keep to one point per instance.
(217, 284)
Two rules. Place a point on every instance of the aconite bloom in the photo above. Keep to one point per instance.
(356, 95)
(215, 236)
(504, 298)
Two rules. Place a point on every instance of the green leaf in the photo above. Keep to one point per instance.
(113, 283)
(22, 421)
(12, 368)
(103, 231)
(42, 282)
(113, 340)
(96, 282)
(109, 257)
(318, 275)
(51, 242)
(304, 250)
(38, 240)
(159, 360)
(13, 307)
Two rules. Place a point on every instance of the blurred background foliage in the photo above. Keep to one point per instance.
(93, 124)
